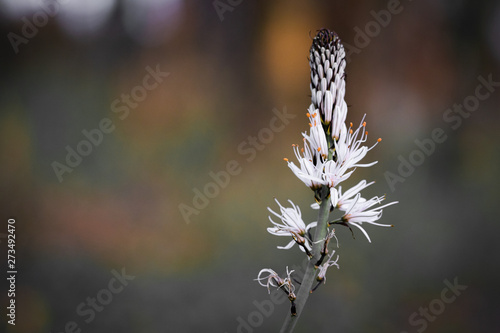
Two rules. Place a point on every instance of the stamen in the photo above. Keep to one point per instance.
(366, 133)
(308, 115)
(364, 123)
(350, 124)
(285, 159)
(379, 139)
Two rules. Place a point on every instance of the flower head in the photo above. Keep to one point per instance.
(330, 154)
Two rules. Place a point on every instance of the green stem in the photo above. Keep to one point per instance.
(309, 276)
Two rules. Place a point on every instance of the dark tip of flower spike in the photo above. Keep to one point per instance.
(325, 38)
(329, 41)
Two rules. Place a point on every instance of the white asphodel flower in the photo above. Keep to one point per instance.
(313, 156)
(348, 154)
(313, 115)
(338, 198)
(317, 137)
(336, 172)
(274, 280)
(292, 226)
(349, 149)
(357, 211)
(311, 170)
(324, 267)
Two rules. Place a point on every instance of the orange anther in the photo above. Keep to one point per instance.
(350, 131)
(319, 148)
(285, 159)
(366, 133)
(307, 114)
(364, 123)
(350, 124)
(379, 139)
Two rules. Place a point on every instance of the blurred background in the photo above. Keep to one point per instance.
(128, 203)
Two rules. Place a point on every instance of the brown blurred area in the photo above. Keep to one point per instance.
(120, 206)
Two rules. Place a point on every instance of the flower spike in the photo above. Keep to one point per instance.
(330, 152)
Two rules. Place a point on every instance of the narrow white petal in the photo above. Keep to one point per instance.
(363, 230)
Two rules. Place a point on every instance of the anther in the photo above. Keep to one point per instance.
(285, 159)
(379, 139)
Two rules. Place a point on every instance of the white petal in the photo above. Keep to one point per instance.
(363, 230)
(288, 246)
